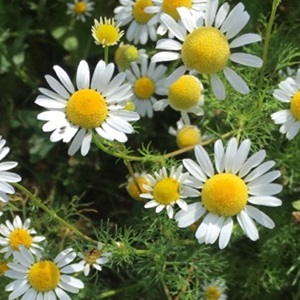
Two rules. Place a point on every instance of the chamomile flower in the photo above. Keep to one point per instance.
(288, 92)
(184, 94)
(205, 47)
(80, 9)
(96, 104)
(38, 279)
(131, 187)
(164, 191)
(213, 290)
(106, 32)
(132, 12)
(186, 134)
(146, 80)
(6, 177)
(233, 191)
(170, 7)
(126, 54)
(3, 267)
(16, 234)
(93, 258)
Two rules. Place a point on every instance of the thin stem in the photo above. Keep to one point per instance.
(109, 293)
(38, 202)
(131, 172)
(267, 43)
(106, 48)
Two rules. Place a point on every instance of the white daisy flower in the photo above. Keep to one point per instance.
(106, 32)
(80, 9)
(164, 191)
(146, 80)
(186, 134)
(6, 177)
(16, 234)
(38, 279)
(132, 12)
(205, 47)
(170, 7)
(97, 104)
(238, 185)
(213, 290)
(288, 92)
(93, 258)
(184, 94)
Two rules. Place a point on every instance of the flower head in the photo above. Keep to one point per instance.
(184, 93)
(288, 92)
(170, 7)
(38, 279)
(238, 185)
(106, 32)
(132, 189)
(133, 13)
(205, 47)
(6, 177)
(126, 54)
(145, 80)
(97, 104)
(16, 234)
(3, 267)
(80, 9)
(164, 191)
(213, 290)
(93, 258)
(186, 134)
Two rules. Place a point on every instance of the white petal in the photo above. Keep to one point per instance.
(165, 56)
(247, 225)
(221, 15)
(218, 87)
(219, 156)
(246, 59)
(204, 160)
(245, 39)
(193, 213)
(83, 75)
(252, 162)
(211, 10)
(241, 156)
(264, 179)
(194, 169)
(64, 78)
(173, 27)
(265, 200)
(225, 233)
(168, 44)
(230, 154)
(260, 170)
(260, 217)
(236, 81)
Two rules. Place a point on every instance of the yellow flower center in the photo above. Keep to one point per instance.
(166, 191)
(87, 109)
(188, 136)
(129, 106)
(92, 255)
(144, 87)
(20, 237)
(185, 92)
(126, 54)
(295, 106)
(224, 194)
(3, 267)
(205, 50)
(106, 33)
(170, 7)
(212, 293)
(44, 276)
(132, 189)
(138, 11)
(79, 8)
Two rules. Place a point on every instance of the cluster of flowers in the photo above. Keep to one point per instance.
(36, 277)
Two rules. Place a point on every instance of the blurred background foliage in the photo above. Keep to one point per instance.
(90, 191)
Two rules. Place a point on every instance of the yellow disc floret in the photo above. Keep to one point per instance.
(126, 54)
(133, 190)
(87, 109)
(170, 7)
(205, 50)
(295, 106)
(185, 92)
(92, 255)
(138, 11)
(79, 8)
(106, 32)
(188, 136)
(144, 87)
(166, 191)
(212, 293)
(224, 194)
(44, 276)
(3, 267)
(20, 237)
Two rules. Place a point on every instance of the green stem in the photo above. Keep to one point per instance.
(106, 48)
(118, 291)
(267, 43)
(38, 202)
